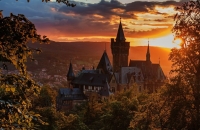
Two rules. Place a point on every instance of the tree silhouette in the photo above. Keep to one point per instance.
(184, 86)
(16, 90)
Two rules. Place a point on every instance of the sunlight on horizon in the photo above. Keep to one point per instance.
(166, 42)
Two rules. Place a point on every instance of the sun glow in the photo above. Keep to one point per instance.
(165, 41)
(177, 42)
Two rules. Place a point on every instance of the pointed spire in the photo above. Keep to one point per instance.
(148, 53)
(120, 33)
(70, 74)
(148, 47)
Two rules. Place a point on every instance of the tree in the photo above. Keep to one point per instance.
(17, 89)
(46, 98)
(59, 121)
(183, 89)
(153, 111)
(114, 113)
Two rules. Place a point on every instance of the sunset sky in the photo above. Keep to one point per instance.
(98, 20)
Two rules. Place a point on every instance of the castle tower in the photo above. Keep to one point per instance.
(120, 50)
(70, 75)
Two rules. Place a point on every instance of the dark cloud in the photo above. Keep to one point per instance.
(55, 19)
(77, 26)
(103, 8)
(139, 6)
(169, 3)
(106, 9)
(144, 6)
(32, 9)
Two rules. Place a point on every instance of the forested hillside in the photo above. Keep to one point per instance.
(56, 56)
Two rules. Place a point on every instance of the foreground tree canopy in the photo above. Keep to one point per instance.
(183, 89)
(16, 90)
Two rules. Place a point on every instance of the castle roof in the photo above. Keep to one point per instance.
(120, 33)
(105, 65)
(137, 63)
(150, 71)
(71, 94)
(158, 72)
(90, 79)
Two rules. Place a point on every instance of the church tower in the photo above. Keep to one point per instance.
(120, 50)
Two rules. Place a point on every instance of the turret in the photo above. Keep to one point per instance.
(148, 54)
(105, 66)
(70, 74)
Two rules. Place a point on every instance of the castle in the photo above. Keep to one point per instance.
(106, 79)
